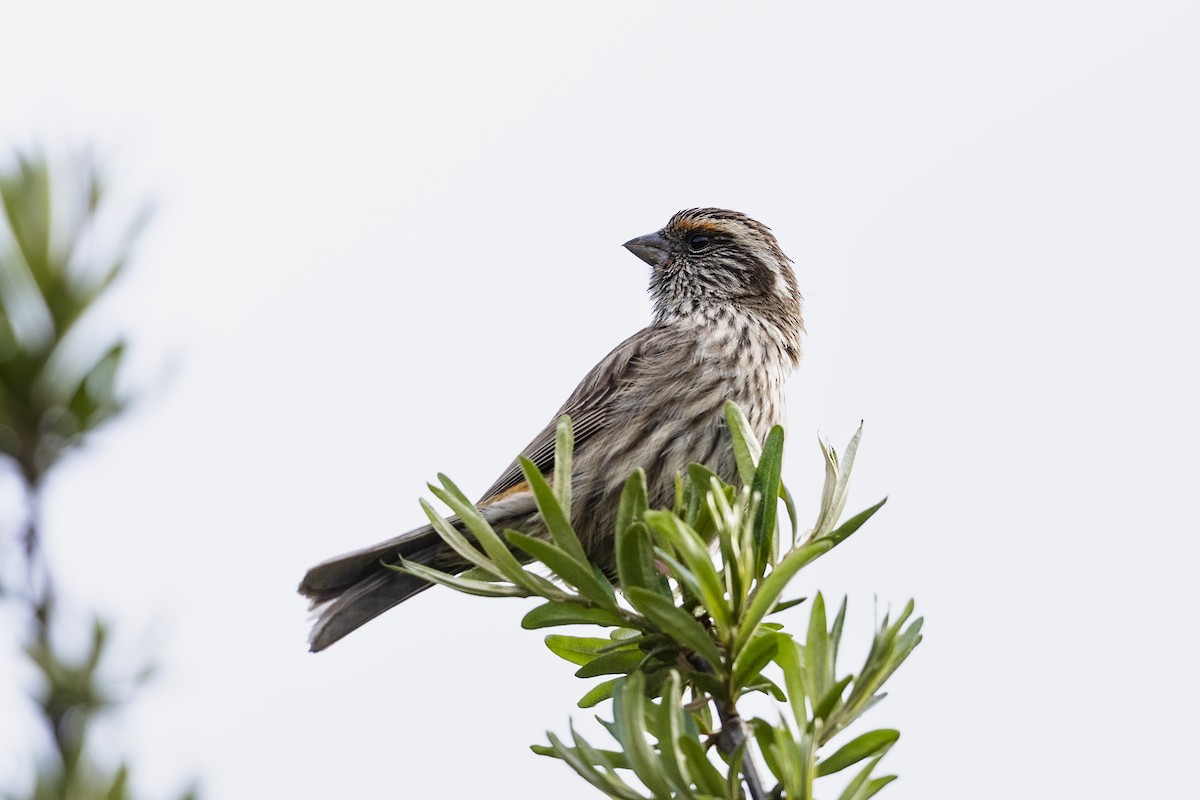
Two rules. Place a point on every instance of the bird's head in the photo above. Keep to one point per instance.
(708, 260)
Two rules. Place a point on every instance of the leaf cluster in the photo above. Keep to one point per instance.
(72, 693)
(689, 630)
(56, 384)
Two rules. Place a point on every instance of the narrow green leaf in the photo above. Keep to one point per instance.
(600, 758)
(724, 508)
(464, 585)
(786, 604)
(689, 584)
(875, 785)
(767, 687)
(830, 700)
(635, 557)
(573, 572)
(88, 393)
(615, 758)
(677, 624)
(868, 745)
(793, 516)
(694, 552)
(766, 485)
(594, 756)
(576, 649)
(629, 707)
(746, 449)
(835, 633)
(837, 478)
(706, 776)
(562, 612)
(733, 780)
(785, 751)
(624, 633)
(604, 782)
(118, 790)
(767, 594)
(756, 655)
(673, 728)
(788, 657)
(483, 532)
(913, 631)
(846, 465)
(764, 735)
(816, 654)
(882, 660)
(747, 561)
(617, 662)
(905, 643)
(599, 693)
(634, 501)
(700, 482)
(459, 543)
(828, 489)
(858, 784)
(564, 443)
(806, 746)
(552, 513)
(854, 523)
(868, 705)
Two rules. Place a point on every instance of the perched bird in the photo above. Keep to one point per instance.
(726, 326)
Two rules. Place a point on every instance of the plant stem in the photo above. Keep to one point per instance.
(732, 734)
(38, 584)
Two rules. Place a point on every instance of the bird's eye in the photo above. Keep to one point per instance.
(698, 243)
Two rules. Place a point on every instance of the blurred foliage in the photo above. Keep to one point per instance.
(692, 636)
(57, 385)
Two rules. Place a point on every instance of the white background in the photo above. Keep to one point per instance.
(387, 244)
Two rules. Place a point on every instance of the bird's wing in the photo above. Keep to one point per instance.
(589, 407)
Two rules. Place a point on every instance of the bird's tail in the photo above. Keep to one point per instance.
(351, 590)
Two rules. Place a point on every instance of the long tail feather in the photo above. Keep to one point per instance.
(351, 590)
(360, 604)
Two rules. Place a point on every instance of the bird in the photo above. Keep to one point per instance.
(726, 325)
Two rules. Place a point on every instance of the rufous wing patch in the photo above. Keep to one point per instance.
(523, 486)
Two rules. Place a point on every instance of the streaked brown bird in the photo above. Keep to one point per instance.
(726, 326)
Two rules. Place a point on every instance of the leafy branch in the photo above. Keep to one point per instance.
(57, 386)
(689, 630)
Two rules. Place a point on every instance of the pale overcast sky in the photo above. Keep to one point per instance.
(388, 244)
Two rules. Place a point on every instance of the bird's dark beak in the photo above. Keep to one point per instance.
(652, 248)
